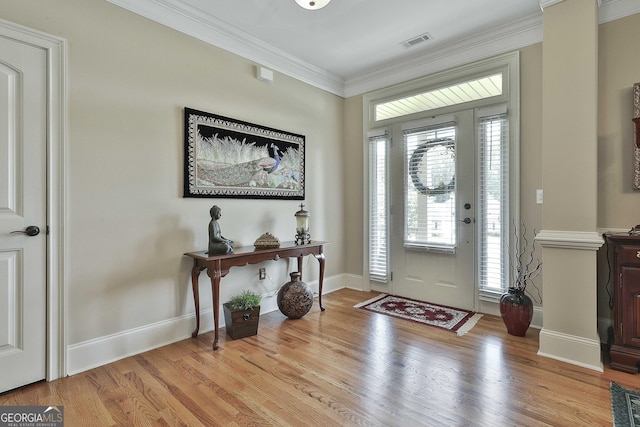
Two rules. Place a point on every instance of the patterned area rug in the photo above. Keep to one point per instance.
(451, 319)
(625, 406)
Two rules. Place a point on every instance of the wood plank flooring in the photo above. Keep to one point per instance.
(342, 367)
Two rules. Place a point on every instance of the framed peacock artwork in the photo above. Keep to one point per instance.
(224, 157)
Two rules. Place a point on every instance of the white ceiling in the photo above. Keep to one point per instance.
(355, 46)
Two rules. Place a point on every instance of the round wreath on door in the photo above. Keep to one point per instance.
(432, 168)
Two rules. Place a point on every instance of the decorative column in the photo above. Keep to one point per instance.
(568, 238)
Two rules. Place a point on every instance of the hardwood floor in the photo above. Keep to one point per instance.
(343, 367)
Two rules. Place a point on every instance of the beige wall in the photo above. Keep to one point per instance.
(618, 203)
(619, 69)
(354, 185)
(531, 145)
(128, 225)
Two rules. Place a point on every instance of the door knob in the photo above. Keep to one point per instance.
(32, 230)
(466, 220)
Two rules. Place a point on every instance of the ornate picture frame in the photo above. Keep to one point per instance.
(224, 157)
(636, 135)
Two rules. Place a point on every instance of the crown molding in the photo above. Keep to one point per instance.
(194, 22)
(506, 38)
(197, 23)
(547, 3)
(610, 10)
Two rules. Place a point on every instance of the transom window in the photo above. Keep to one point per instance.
(460, 93)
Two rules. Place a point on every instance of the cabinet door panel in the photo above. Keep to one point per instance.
(630, 298)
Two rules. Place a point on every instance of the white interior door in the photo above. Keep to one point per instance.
(23, 287)
(433, 199)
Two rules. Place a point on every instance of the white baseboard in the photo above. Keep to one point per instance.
(571, 349)
(103, 350)
(100, 351)
(353, 281)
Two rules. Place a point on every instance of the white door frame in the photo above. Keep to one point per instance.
(56, 49)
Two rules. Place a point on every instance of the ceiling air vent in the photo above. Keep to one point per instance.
(416, 40)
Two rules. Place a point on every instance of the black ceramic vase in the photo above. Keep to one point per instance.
(516, 309)
(295, 298)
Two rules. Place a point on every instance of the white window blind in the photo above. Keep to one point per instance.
(429, 202)
(379, 220)
(494, 204)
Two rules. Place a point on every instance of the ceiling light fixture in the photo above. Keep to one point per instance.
(313, 4)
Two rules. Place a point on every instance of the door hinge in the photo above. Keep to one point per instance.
(47, 230)
(391, 276)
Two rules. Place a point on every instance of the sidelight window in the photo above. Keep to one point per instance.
(378, 207)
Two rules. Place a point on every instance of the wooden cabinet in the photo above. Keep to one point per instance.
(625, 351)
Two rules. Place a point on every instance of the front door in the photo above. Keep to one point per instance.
(23, 287)
(433, 226)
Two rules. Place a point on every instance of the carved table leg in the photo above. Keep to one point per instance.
(320, 258)
(300, 266)
(195, 274)
(215, 274)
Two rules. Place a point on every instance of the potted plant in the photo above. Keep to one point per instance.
(241, 314)
(516, 307)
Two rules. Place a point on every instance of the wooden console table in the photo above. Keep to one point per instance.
(218, 266)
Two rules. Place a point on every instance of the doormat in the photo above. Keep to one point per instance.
(625, 406)
(449, 318)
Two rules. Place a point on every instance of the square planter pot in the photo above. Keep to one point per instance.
(241, 324)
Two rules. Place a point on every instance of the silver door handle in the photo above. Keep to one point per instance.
(32, 230)
(466, 220)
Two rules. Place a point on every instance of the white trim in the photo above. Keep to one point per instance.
(374, 133)
(512, 36)
(429, 121)
(610, 10)
(196, 23)
(570, 239)
(548, 3)
(353, 281)
(103, 350)
(571, 349)
(491, 110)
(56, 49)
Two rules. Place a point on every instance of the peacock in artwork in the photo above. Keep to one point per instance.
(274, 152)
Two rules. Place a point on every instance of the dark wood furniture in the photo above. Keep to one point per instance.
(625, 351)
(218, 266)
